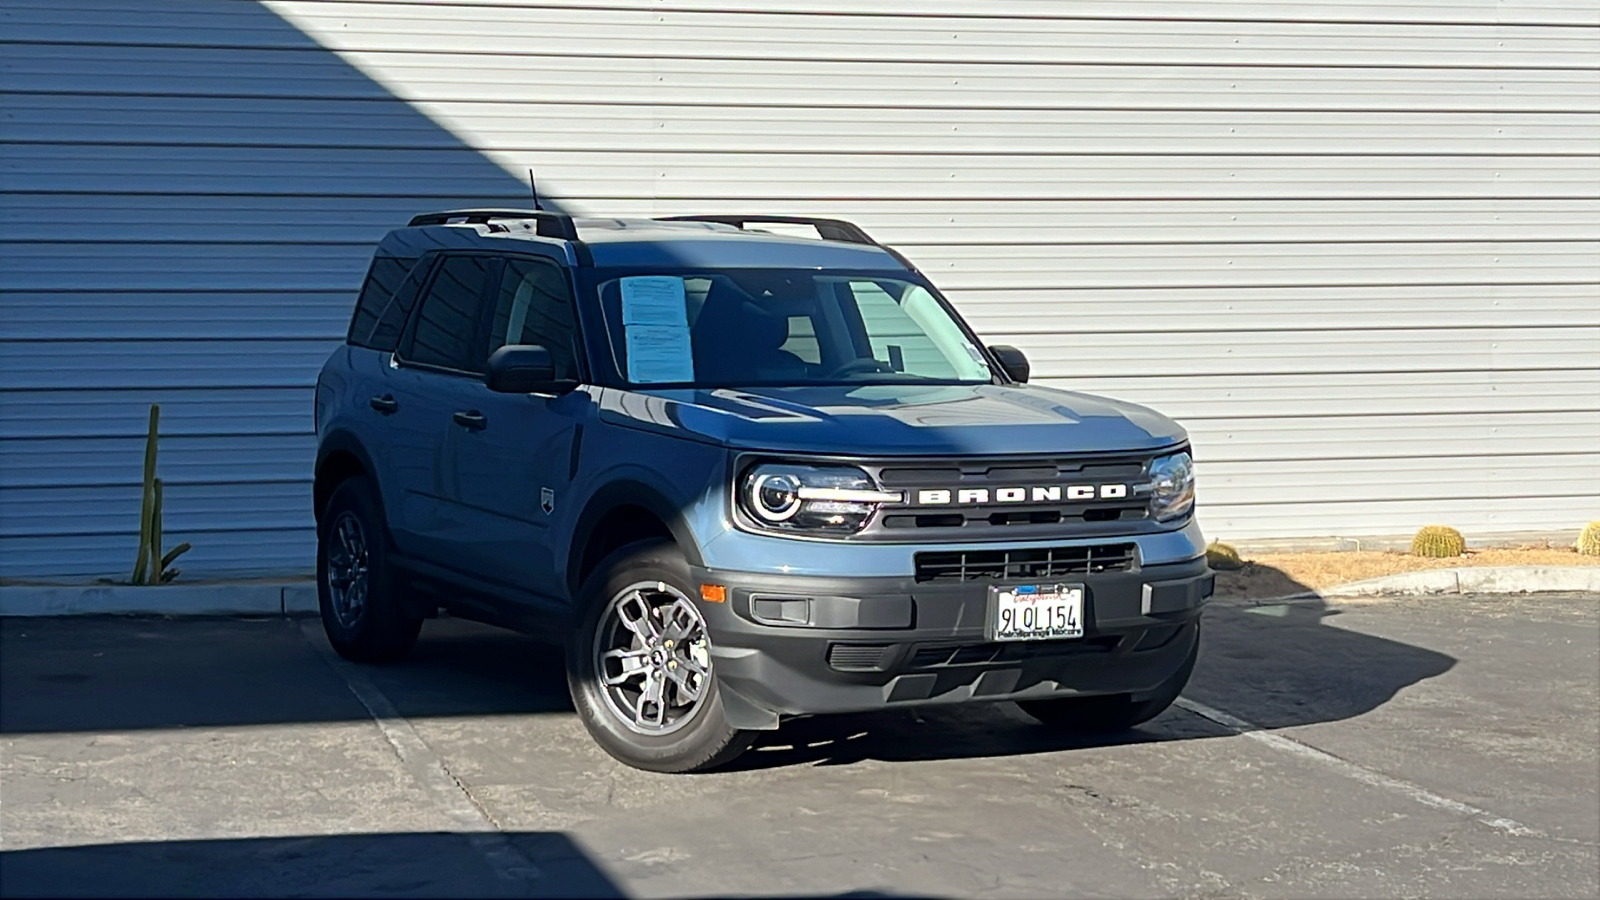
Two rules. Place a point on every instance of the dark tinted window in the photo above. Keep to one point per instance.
(534, 306)
(447, 320)
(377, 296)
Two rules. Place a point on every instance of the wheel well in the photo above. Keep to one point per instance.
(334, 471)
(617, 528)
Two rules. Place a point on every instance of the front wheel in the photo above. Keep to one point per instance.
(639, 665)
(1111, 713)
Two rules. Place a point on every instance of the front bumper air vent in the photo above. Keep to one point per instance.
(1033, 564)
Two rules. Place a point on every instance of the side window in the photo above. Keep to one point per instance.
(377, 298)
(534, 306)
(446, 323)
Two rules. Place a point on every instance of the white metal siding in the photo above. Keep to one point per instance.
(1353, 246)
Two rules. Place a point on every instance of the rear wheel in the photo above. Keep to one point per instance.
(639, 665)
(1113, 712)
(361, 610)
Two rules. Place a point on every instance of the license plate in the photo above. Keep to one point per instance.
(1036, 612)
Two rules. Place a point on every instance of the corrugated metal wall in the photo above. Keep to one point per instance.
(1354, 246)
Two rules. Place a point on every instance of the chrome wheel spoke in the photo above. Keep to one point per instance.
(682, 622)
(689, 683)
(651, 699)
(635, 614)
(632, 663)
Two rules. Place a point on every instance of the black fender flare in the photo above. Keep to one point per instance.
(627, 492)
(341, 441)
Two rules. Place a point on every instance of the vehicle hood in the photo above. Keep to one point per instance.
(897, 420)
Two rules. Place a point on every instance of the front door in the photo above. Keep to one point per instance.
(510, 454)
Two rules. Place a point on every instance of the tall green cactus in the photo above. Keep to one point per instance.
(152, 567)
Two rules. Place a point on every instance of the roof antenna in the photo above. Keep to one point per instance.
(534, 188)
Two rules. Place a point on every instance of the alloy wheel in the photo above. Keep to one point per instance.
(652, 658)
(348, 575)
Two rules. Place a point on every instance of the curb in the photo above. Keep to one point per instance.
(296, 598)
(1465, 580)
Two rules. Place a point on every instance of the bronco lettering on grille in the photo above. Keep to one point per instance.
(1041, 494)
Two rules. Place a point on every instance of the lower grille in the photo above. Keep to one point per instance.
(859, 657)
(1024, 565)
(974, 654)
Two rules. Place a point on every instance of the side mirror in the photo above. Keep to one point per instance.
(1012, 361)
(523, 369)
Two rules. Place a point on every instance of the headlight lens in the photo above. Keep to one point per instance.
(814, 499)
(1171, 486)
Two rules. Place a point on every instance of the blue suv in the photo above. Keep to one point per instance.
(742, 475)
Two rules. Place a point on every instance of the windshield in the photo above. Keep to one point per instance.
(782, 327)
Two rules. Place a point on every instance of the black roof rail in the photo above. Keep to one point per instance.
(827, 229)
(550, 224)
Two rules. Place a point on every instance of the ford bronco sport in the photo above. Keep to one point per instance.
(741, 475)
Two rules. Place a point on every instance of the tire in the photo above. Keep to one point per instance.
(1112, 713)
(362, 613)
(662, 710)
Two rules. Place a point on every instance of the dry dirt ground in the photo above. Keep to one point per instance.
(1277, 574)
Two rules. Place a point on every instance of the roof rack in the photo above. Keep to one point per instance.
(827, 229)
(550, 224)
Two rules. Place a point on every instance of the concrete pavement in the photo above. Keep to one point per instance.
(1432, 747)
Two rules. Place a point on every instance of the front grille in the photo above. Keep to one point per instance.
(1034, 564)
(990, 496)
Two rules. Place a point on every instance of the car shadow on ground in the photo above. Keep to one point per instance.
(418, 864)
(1277, 665)
(404, 864)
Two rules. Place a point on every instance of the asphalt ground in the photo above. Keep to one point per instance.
(1405, 747)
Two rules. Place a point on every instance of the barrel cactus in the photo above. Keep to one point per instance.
(1223, 557)
(1438, 541)
(1589, 539)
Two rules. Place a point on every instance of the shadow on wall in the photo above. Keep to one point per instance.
(191, 194)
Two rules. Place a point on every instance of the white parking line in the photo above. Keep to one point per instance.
(1359, 773)
(426, 768)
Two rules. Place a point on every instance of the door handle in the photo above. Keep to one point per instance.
(472, 420)
(385, 404)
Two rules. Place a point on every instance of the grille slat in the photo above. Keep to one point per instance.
(939, 656)
(1067, 516)
(858, 657)
(1031, 564)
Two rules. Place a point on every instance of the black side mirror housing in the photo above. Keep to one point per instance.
(523, 369)
(1012, 361)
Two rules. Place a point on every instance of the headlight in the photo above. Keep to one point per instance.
(815, 499)
(1171, 486)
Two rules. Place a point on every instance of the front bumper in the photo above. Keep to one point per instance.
(787, 645)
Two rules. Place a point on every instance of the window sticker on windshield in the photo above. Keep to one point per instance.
(656, 324)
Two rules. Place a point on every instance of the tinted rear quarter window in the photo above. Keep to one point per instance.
(376, 307)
